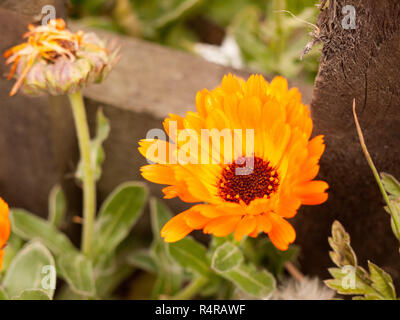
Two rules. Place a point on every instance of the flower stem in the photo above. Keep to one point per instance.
(191, 289)
(375, 172)
(89, 185)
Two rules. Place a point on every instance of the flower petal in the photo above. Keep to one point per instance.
(282, 232)
(175, 229)
(222, 226)
(245, 226)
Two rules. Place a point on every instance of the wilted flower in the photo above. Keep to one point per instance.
(305, 289)
(283, 163)
(56, 61)
(5, 228)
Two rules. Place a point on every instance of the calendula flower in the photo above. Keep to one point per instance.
(55, 61)
(5, 228)
(263, 182)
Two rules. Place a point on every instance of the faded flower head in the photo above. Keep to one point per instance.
(256, 190)
(305, 289)
(5, 228)
(56, 61)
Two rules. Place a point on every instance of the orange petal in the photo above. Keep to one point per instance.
(263, 223)
(230, 84)
(5, 227)
(180, 191)
(311, 187)
(158, 151)
(158, 173)
(314, 199)
(195, 219)
(173, 125)
(312, 192)
(316, 146)
(282, 232)
(222, 226)
(245, 226)
(288, 206)
(175, 229)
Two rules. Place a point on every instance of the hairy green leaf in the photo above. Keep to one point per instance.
(391, 184)
(30, 270)
(77, 270)
(142, 259)
(28, 226)
(169, 273)
(192, 255)
(227, 257)
(228, 262)
(342, 254)
(117, 216)
(382, 282)
(33, 294)
(57, 206)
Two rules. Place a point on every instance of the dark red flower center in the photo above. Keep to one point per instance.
(247, 179)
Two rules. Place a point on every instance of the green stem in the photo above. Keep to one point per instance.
(191, 289)
(375, 171)
(89, 184)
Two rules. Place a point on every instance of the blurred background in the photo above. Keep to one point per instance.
(265, 36)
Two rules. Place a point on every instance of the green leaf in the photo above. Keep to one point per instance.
(96, 146)
(160, 214)
(117, 216)
(228, 262)
(142, 259)
(112, 275)
(261, 251)
(396, 211)
(28, 270)
(14, 244)
(347, 281)
(192, 255)
(28, 226)
(181, 9)
(259, 284)
(342, 254)
(3, 294)
(57, 206)
(77, 270)
(382, 282)
(227, 257)
(169, 273)
(33, 294)
(391, 184)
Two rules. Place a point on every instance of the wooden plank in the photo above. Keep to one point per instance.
(363, 64)
(160, 80)
(33, 136)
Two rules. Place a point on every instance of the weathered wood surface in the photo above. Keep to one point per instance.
(363, 64)
(33, 137)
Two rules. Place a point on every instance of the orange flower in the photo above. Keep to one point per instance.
(283, 162)
(55, 60)
(5, 228)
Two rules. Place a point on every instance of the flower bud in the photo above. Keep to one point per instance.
(57, 61)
